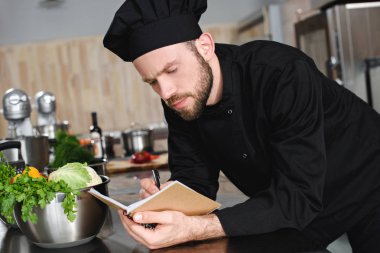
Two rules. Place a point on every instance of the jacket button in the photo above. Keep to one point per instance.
(229, 111)
(244, 156)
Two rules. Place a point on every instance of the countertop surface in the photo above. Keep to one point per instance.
(113, 238)
(121, 165)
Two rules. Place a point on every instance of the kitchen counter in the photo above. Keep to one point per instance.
(121, 165)
(113, 238)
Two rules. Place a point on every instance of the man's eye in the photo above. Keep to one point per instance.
(153, 82)
(171, 70)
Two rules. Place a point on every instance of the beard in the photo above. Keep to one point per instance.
(200, 95)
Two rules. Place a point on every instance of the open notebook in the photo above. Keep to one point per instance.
(176, 197)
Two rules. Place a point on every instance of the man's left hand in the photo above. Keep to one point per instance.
(172, 228)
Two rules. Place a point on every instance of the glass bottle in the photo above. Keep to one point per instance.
(96, 137)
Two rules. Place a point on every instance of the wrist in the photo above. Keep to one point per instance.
(206, 227)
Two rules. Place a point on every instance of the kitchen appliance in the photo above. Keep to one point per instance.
(54, 230)
(47, 124)
(46, 108)
(137, 140)
(344, 40)
(17, 110)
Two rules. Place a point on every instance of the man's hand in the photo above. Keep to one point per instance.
(148, 187)
(172, 228)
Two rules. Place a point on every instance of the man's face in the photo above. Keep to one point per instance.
(181, 77)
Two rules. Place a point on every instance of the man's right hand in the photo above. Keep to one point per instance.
(148, 187)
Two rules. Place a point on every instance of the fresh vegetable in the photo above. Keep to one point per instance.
(15, 178)
(95, 179)
(7, 172)
(33, 172)
(76, 175)
(68, 150)
(143, 157)
(31, 191)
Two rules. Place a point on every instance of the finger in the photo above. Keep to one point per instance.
(128, 224)
(143, 194)
(131, 225)
(148, 185)
(138, 232)
(164, 217)
(126, 221)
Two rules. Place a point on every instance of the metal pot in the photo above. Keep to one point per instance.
(35, 151)
(137, 140)
(12, 154)
(54, 230)
(51, 130)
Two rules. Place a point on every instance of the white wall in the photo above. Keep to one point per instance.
(29, 20)
(33, 20)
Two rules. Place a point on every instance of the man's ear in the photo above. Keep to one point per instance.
(206, 46)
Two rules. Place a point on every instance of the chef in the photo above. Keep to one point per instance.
(304, 149)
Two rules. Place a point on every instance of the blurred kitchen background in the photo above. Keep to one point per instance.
(56, 46)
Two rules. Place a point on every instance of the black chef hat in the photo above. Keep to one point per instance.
(140, 26)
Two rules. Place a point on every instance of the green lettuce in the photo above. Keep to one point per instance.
(75, 175)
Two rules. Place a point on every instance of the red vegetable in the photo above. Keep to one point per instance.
(141, 157)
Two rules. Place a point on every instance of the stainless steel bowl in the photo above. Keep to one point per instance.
(54, 230)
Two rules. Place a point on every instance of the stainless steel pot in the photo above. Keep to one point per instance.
(51, 130)
(137, 140)
(35, 151)
(12, 154)
(54, 230)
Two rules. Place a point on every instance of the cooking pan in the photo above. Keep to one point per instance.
(137, 140)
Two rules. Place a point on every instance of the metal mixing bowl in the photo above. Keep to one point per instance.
(54, 230)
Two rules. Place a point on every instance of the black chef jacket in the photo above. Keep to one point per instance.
(304, 149)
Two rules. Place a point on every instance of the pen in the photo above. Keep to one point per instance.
(156, 178)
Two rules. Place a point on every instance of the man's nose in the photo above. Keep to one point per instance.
(167, 90)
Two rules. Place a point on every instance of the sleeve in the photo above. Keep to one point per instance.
(298, 158)
(186, 156)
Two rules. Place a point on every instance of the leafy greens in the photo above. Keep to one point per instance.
(74, 174)
(68, 150)
(31, 193)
